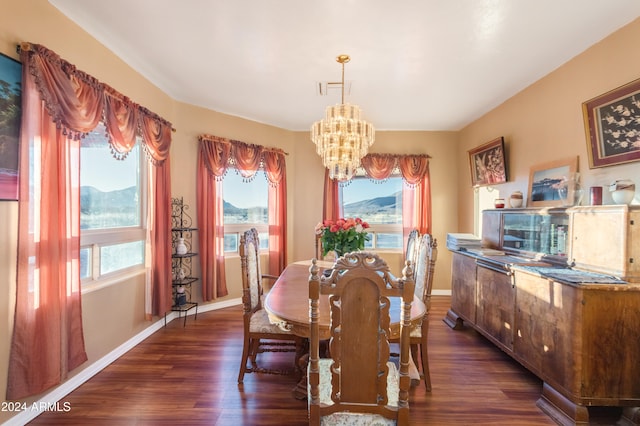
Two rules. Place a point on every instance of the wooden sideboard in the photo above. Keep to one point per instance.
(581, 338)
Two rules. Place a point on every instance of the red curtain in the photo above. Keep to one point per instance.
(156, 137)
(121, 122)
(331, 205)
(213, 159)
(59, 106)
(275, 168)
(215, 155)
(247, 158)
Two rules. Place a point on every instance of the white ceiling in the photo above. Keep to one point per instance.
(415, 64)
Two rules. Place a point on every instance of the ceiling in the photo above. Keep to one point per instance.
(415, 64)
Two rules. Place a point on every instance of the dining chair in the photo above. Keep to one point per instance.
(260, 335)
(426, 256)
(358, 384)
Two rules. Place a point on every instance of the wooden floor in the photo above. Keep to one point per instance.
(187, 376)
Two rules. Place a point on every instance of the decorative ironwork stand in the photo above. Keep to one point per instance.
(182, 264)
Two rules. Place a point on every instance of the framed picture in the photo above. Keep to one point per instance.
(10, 106)
(553, 183)
(487, 163)
(612, 126)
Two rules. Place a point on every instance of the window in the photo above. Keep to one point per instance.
(112, 194)
(245, 206)
(483, 199)
(380, 204)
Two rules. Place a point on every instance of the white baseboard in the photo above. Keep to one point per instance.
(50, 400)
(441, 292)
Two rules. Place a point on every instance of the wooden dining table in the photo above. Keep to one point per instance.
(287, 303)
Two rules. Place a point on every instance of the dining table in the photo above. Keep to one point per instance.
(287, 304)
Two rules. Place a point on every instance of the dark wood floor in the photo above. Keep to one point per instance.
(187, 376)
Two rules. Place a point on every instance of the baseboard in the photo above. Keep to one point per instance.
(50, 400)
(441, 292)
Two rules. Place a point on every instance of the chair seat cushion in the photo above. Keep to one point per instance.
(416, 331)
(260, 324)
(357, 419)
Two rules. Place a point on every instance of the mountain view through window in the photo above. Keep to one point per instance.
(380, 204)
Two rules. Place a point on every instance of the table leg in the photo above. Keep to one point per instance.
(300, 390)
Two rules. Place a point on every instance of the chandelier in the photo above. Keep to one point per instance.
(342, 138)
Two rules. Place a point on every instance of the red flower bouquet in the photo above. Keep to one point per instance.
(343, 235)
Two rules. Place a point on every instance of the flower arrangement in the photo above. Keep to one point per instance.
(343, 235)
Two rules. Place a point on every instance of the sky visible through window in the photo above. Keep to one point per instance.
(366, 189)
(99, 169)
(245, 196)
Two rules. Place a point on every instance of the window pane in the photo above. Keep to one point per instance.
(110, 188)
(85, 262)
(120, 256)
(370, 244)
(264, 240)
(245, 202)
(231, 242)
(374, 202)
(388, 241)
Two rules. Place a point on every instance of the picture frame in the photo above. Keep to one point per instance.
(553, 183)
(10, 116)
(612, 126)
(487, 163)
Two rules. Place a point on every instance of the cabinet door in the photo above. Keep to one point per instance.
(605, 240)
(547, 321)
(463, 287)
(496, 304)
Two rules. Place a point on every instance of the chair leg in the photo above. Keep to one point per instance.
(414, 354)
(243, 363)
(253, 353)
(425, 367)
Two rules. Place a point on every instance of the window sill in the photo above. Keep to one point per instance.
(90, 286)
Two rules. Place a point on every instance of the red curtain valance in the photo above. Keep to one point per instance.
(413, 168)
(63, 88)
(219, 154)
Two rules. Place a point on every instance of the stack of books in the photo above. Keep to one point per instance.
(463, 241)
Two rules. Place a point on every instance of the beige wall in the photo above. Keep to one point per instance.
(539, 124)
(544, 122)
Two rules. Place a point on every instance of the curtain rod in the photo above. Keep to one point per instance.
(232, 141)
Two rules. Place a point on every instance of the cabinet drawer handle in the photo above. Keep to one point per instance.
(506, 272)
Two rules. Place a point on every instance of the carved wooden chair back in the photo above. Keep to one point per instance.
(426, 256)
(358, 384)
(412, 247)
(251, 275)
(260, 335)
(319, 255)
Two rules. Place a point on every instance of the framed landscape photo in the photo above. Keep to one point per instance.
(10, 106)
(487, 163)
(612, 126)
(552, 184)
